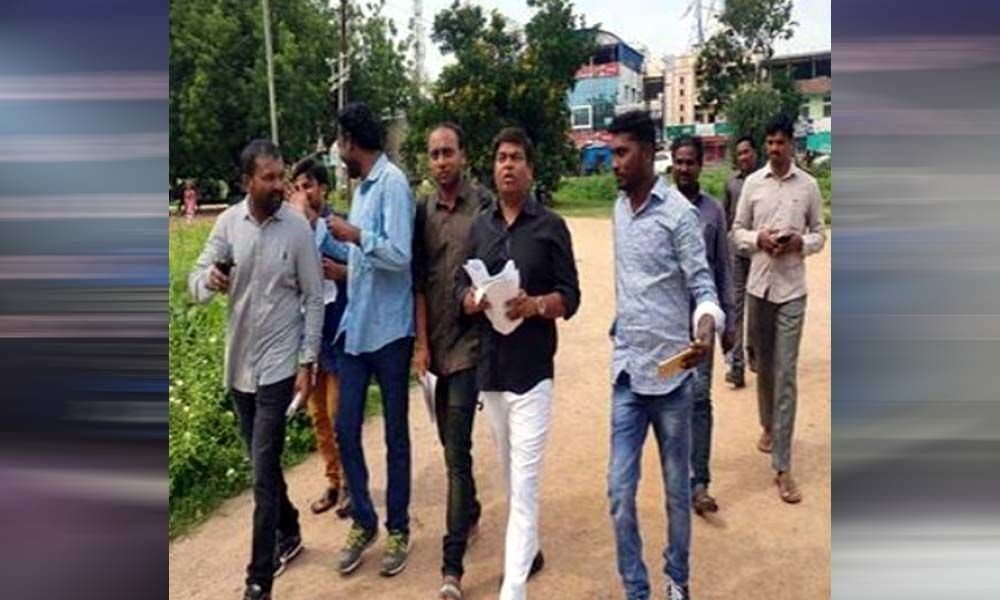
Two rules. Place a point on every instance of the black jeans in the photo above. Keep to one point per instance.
(455, 404)
(262, 424)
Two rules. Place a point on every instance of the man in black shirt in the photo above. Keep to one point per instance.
(515, 371)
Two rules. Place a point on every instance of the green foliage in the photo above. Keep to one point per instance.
(218, 77)
(750, 110)
(505, 77)
(749, 30)
(206, 459)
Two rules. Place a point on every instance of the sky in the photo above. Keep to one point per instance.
(656, 24)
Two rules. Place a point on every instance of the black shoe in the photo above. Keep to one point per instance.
(537, 564)
(288, 548)
(255, 592)
(735, 377)
(343, 509)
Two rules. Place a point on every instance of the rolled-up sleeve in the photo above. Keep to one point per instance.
(743, 235)
(564, 268)
(391, 248)
(215, 249)
(815, 239)
(308, 269)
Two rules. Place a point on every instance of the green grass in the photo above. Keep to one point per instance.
(594, 195)
(206, 458)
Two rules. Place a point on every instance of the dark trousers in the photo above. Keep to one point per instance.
(262, 425)
(390, 365)
(701, 421)
(741, 272)
(455, 404)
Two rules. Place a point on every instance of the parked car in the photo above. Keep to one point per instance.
(662, 162)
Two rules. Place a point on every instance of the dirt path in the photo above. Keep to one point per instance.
(756, 548)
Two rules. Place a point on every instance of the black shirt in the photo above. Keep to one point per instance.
(539, 243)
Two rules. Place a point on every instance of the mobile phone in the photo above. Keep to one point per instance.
(783, 238)
(225, 266)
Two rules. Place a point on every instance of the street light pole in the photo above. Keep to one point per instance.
(270, 71)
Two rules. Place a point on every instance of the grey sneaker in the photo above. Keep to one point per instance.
(397, 552)
(358, 540)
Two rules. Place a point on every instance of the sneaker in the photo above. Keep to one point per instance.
(676, 591)
(702, 502)
(358, 540)
(397, 552)
(254, 592)
(451, 588)
(288, 547)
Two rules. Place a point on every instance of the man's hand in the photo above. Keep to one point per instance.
(702, 345)
(469, 305)
(521, 306)
(421, 359)
(217, 280)
(305, 380)
(334, 270)
(792, 245)
(342, 230)
(766, 241)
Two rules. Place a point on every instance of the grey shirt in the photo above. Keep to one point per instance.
(275, 294)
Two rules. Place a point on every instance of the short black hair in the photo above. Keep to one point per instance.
(254, 150)
(359, 123)
(692, 141)
(515, 135)
(452, 127)
(636, 123)
(748, 139)
(780, 123)
(314, 169)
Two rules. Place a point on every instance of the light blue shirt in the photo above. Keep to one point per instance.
(328, 246)
(660, 267)
(379, 282)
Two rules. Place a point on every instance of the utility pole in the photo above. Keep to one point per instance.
(418, 47)
(701, 26)
(270, 71)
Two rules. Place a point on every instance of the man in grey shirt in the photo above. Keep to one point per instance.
(261, 253)
(746, 163)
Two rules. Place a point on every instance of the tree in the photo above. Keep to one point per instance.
(750, 110)
(218, 77)
(504, 76)
(732, 58)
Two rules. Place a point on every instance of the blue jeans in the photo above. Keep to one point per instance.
(390, 365)
(670, 417)
(701, 421)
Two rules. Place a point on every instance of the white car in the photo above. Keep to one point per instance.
(662, 162)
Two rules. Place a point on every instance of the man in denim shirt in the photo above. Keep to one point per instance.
(660, 267)
(376, 333)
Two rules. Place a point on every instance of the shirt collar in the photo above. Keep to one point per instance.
(530, 207)
(277, 216)
(657, 194)
(465, 193)
(793, 170)
(378, 167)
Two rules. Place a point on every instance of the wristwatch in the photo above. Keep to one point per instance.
(540, 305)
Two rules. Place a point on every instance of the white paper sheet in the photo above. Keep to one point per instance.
(498, 290)
(329, 291)
(428, 382)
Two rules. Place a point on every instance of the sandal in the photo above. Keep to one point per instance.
(766, 443)
(450, 589)
(787, 488)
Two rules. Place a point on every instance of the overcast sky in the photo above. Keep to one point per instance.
(656, 24)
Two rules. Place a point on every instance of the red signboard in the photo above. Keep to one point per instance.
(605, 70)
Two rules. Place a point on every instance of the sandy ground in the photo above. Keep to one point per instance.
(756, 547)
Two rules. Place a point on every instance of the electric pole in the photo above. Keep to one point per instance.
(270, 71)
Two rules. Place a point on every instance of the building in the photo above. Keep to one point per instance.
(611, 82)
(813, 79)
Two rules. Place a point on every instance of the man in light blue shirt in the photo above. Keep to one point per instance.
(376, 333)
(660, 268)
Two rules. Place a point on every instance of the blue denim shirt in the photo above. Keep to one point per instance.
(660, 266)
(379, 282)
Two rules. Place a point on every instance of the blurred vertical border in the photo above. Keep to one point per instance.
(83, 315)
(916, 286)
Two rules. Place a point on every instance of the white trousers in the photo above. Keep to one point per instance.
(520, 426)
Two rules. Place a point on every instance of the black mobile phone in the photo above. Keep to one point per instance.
(225, 266)
(783, 238)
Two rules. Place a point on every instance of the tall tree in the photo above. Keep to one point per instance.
(505, 76)
(733, 57)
